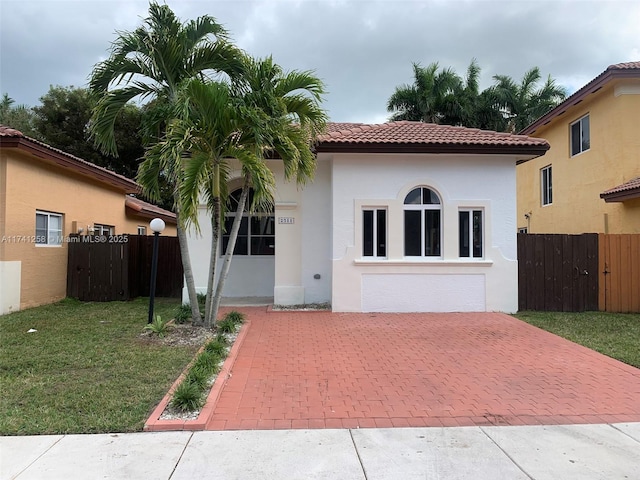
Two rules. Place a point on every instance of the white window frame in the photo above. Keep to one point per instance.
(423, 208)
(52, 238)
(102, 229)
(546, 186)
(142, 230)
(376, 241)
(523, 230)
(581, 131)
(470, 211)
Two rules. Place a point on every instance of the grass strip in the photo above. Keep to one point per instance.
(616, 335)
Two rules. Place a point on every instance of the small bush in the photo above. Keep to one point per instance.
(207, 361)
(183, 315)
(199, 376)
(216, 347)
(236, 317)
(226, 326)
(187, 397)
(158, 327)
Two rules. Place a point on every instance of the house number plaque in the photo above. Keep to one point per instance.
(288, 220)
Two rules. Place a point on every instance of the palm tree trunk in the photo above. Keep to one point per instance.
(233, 236)
(216, 220)
(196, 317)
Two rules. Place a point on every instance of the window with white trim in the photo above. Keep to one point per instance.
(100, 229)
(546, 185)
(257, 234)
(580, 136)
(48, 228)
(142, 230)
(470, 230)
(422, 223)
(374, 232)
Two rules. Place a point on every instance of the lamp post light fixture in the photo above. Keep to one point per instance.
(157, 226)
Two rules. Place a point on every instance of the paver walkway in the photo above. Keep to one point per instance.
(333, 370)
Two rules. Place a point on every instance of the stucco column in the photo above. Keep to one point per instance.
(288, 289)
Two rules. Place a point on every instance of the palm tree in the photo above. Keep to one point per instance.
(523, 103)
(425, 100)
(288, 111)
(264, 113)
(151, 63)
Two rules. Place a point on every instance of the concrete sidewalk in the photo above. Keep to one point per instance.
(514, 452)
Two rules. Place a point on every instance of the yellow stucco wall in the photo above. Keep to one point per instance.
(30, 184)
(614, 158)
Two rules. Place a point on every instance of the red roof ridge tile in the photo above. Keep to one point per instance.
(6, 131)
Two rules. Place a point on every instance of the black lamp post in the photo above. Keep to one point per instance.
(157, 225)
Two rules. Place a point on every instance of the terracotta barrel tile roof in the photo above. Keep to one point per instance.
(149, 210)
(10, 132)
(419, 132)
(419, 137)
(626, 65)
(626, 191)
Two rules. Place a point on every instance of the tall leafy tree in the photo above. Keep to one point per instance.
(151, 63)
(525, 102)
(20, 117)
(63, 117)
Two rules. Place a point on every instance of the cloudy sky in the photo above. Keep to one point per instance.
(361, 49)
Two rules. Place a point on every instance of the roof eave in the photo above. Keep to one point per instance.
(592, 87)
(46, 154)
(441, 148)
(623, 196)
(144, 213)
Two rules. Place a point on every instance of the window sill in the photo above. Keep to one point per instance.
(424, 262)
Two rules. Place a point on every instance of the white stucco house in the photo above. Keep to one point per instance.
(401, 217)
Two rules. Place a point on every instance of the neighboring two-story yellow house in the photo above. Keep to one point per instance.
(589, 181)
(46, 197)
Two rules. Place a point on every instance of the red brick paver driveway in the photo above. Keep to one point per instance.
(333, 370)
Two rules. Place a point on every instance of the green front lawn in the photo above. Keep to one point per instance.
(87, 369)
(614, 334)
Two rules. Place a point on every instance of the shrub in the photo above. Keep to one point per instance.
(226, 326)
(187, 397)
(236, 317)
(216, 347)
(199, 376)
(183, 314)
(158, 327)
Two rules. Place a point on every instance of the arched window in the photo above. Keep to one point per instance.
(422, 223)
(257, 232)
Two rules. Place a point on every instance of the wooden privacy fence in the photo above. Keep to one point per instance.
(102, 271)
(575, 273)
(619, 273)
(558, 272)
